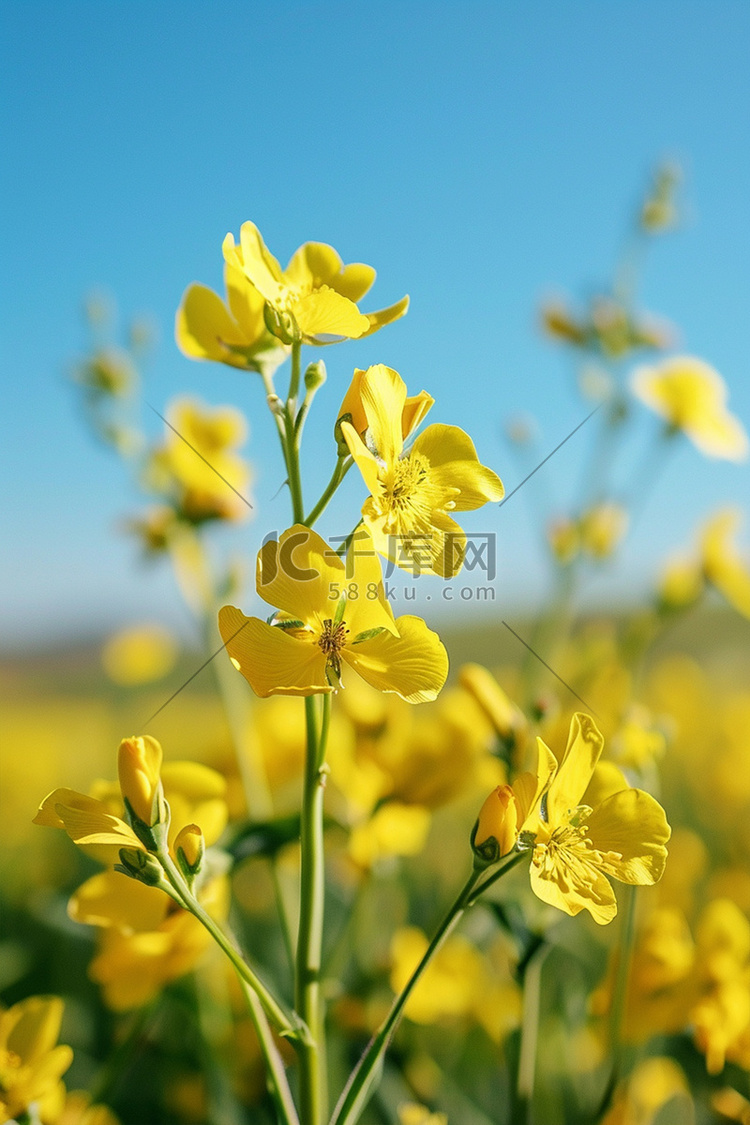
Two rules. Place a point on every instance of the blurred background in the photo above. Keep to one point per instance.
(483, 157)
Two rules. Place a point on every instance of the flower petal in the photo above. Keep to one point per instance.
(114, 899)
(631, 829)
(584, 747)
(454, 464)
(299, 573)
(246, 305)
(366, 604)
(255, 260)
(324, 313)
(382, 317)
(384, 397)
(36, 1026)
(314, 265)
(529, 787)
(414, 665)
(364, 460)
(584, 888)
(272, 661)
(203, 326)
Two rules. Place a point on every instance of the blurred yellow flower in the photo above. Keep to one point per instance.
(394, 829)
(411, 1113)
(451, 983)
(78, 1110)
(717, 562)
(31, 1062)
(134, 962)
(691, 396)
(326, 618)
(316, 290)
(576, 846)
(602, 528)
(139, 655)
(412, 493)
(653, 1084)
(234, 332)
(197, 467)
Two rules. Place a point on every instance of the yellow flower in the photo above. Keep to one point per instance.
(394, 829)
(316, 290)
(134, 963)
(325, 619)
(197, 467)
(411, 1113)
(31, 1064)
(234, 333)
(78, 1110)
(723, 566)
(691, 396)
(718, 563)
(601, 528)
(576, 846)
(413, 492)
(139, 655)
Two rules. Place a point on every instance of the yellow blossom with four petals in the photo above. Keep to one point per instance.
(326, 618)
(316, 291)
(691, 396)
(412, 492)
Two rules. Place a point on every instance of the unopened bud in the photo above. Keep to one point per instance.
(281, 325)
(496, 829)
(140, 865)
(315, 375)
(189, 848)
(275, 405)
(139, 766)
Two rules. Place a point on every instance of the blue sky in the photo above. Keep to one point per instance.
(479, 155)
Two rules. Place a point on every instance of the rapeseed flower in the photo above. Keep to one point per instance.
(717, 563)
(691, 396)
(576, 847)
(316, 291)
(326, 619)
(197, 468)
(232, 332)
(31, 1061)
(411, 493)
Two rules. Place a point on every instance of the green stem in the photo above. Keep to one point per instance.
(307, 999)
(278, 891)
(278, 1086)
(620, 992)
(285, 1023)
(295, 376)
(295, 481)
(366, 1073)
(343, 465)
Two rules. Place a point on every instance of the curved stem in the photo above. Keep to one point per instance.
(307, 999)
(343, 465)
(278, 1086)
(285, 1023)
(365, 1075)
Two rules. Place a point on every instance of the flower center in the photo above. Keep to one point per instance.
(407, 497)
(331, 641)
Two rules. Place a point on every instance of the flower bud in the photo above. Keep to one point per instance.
(140, 865)
(190, 847)
(139, 765)
(315, 375)
(496, 829)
